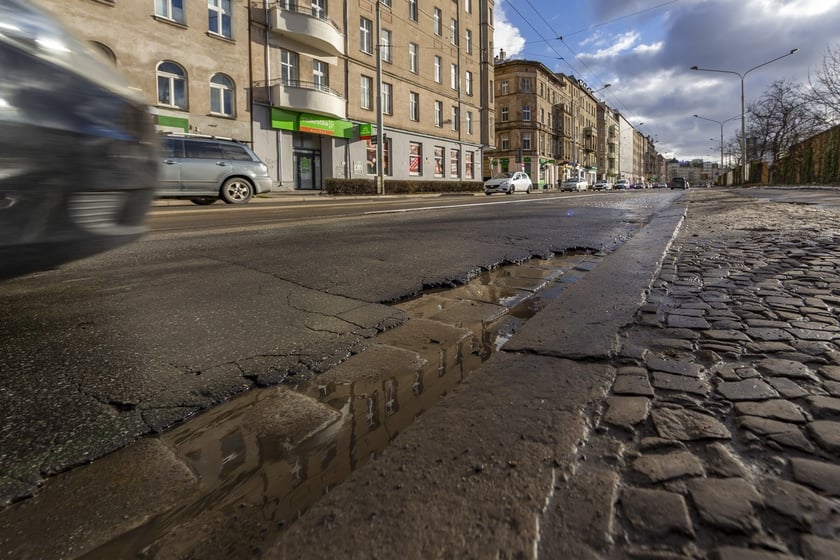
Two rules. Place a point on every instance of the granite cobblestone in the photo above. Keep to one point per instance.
(736, 355)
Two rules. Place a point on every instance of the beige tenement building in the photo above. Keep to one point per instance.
(302, 82)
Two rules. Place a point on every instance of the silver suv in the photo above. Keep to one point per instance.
(205, 169)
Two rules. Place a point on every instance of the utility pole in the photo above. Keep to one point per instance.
(380, 137)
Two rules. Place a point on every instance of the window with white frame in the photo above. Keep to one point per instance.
(439, 151)
(170, 9)
(366, 92)
(288, 68)
(319, 8)
(414, 105)
(505, 142)
(505, 87)
(221, 95)
(385, 46)
(415, 158)
(365, 35)
(219, 14)
(387, 98)
(320, 75)
(454, 163)
(171, 85)
(438, 64)
(468, 82)
(468, 6)
(453, 76)
(526, 140)
(454, 118)
(412, 10)
(469, 172)
(526, 84)
(526, 113)
(453, 31)
(438, 114)
(438, 21)
(504, 114)
(468, 40)
(386, 3)
(468, 121)
(413, 50)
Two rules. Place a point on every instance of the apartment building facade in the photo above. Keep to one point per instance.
(189, 58)
(301, 82)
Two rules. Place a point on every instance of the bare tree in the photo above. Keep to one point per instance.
(825, 88)
(783, 116)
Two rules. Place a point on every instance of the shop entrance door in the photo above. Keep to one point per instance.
(307, 169)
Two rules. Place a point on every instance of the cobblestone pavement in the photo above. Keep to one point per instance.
(721, 434)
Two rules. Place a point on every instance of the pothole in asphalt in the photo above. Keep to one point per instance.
(274, 452)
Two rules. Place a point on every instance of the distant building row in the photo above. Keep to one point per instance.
(299, 82)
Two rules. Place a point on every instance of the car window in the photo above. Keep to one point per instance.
(202, 150)
(232, 151)
(173, 148)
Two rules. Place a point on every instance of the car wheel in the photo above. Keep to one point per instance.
(488, 194)
(237, 191)
(509, 191)
(204, 200)
(528, 189)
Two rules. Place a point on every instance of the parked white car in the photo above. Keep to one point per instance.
(603, 185)
(575, 184)
(508, 182)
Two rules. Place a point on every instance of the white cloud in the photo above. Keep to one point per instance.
(505, 36)
(795, 8)
(622, 42)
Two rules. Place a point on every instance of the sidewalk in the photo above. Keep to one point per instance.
(703, 424)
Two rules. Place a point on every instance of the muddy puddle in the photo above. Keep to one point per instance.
(269, 454)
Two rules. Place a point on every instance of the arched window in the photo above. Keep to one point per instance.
(171, 85)
(221, 95)
(104, 51)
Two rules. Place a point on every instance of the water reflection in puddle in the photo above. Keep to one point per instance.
(271, 453)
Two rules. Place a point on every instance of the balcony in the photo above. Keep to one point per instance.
(307, 26)
(307, 97)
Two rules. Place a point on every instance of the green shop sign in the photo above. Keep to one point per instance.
(283, 119)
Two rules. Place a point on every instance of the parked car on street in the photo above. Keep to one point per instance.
(574, 184)
(679, 183)
(603, 185)
(77, 147)
(508, 182)
(661, 185)
(622, 184)
(204, 169)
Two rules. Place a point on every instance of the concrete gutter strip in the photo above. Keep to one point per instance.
(475, 475)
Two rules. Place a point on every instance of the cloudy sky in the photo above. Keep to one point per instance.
(644, 49)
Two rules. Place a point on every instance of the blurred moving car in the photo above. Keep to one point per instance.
(78, 153)
(508, 182)
(622, 184)
(574, 184)
(204, 169)
(661, 185)
(679, 183)
(603, 185)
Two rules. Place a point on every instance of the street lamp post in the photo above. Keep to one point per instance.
(743, 75)
(721, 123)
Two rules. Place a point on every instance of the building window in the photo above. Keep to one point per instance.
(526, 84)
(387, 98)
(171, 85)
(468, 165)
(365, 35)
(386, 157)
(319, 9)
(468, 79)
(526, 113)
(505, 142)
(453, 31)
(320, 75)
(412, 57)
(386, 3)
(504, 114)
(453, 76)
(221, 95)
(415, 158)
(526, 140)
(439, 150)
(455, 163)
(288, 68)
(454, 118)
(367, 92)
(385, 46)
(438, 114)
(412, 10)
(438, 17)
(438, 64)
(414, 105)
(505, 87)
(468, 40)
(219, 14)
(468, 6)
(170, 9)
(468, 122)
